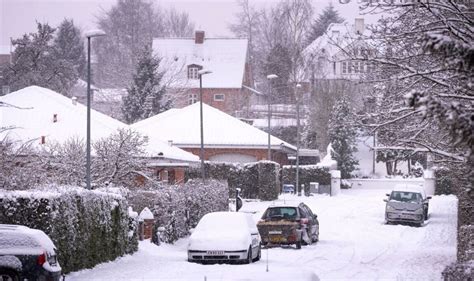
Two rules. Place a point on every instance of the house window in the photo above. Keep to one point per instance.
(193, 98)
(219, 97)
(193, 70)
(344, 67)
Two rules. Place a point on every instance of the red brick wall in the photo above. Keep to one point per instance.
(260, 154)
(234, 99)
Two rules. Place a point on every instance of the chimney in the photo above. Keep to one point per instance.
(55, 118)
(359, 26)
(199, 37)
(74, 100)
(43, 139)
(335, 34)
(170, 142)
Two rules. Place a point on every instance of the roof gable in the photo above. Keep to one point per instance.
(226, 58)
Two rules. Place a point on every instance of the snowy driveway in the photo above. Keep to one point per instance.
(355, 244)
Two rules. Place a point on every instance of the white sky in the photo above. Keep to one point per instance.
(18, 17)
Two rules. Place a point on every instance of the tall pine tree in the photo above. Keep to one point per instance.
(342, 135)
(145, 95)
(69, 45)
(279, 62)
(321, 24)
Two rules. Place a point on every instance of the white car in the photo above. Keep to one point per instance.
(225, 237)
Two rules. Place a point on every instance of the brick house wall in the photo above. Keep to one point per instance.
(233, 99)
(260, 154)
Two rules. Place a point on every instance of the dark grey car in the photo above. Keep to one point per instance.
(27, 254)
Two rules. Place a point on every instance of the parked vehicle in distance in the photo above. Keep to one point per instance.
(407, 203)
(288, 224)
(225, 237)
(27, 254)
(288, 188)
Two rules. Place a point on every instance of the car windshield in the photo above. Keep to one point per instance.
(281, 212)
(403, 196)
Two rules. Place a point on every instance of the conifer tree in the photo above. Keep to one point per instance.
(145, 94)
(342, 135)
(69, 45)
(321, 24)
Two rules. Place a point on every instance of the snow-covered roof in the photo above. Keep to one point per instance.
(182, 127)
(225, 57)
(33, 112)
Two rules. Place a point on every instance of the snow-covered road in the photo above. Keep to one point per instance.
(355, 244)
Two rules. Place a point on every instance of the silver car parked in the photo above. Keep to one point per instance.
(407, 203)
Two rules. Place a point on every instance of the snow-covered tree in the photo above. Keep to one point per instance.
(342, 135)
(34, 62)
(66, 162)
(118, 157)
(279, 62)
(131, 25)
(321, 23)
(145, 95)
(69, 46)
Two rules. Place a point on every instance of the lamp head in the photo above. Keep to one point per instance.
(94, 33)
(204, 71)
(272, 76)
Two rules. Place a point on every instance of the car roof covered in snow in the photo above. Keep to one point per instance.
(19, 239)
(409, 188)
(276, 204)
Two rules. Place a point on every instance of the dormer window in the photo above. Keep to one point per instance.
(193, 71)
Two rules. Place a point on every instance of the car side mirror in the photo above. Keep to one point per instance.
(429, 197)
(387, 194)
(315, 216)
(385, 200)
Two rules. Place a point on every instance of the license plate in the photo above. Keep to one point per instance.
(215, 253)
(274, 232)
(277, 239)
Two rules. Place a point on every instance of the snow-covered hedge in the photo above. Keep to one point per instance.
(87, 227)
(258, 180)
(179, 208)
(308, 173)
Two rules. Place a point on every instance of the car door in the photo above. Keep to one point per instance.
(255, 235)
(314, 223)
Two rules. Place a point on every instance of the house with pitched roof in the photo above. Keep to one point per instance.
(41, 116)
(340, 52)
(226, 139)
(226, 88)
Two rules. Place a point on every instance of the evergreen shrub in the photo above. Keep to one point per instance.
(87, 227)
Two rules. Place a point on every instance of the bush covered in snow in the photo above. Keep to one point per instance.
(87, 227)
(179, 208)
(258, 180)
(308, 173)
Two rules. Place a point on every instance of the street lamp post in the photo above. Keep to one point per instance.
(89, 34)
(298, 86)
(270, 77)
(201, 153)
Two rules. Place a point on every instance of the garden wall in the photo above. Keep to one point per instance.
(87, 227)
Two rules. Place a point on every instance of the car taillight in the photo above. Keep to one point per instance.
(41, 259)
(304, 221)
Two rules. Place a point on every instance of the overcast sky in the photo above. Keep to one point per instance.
(18, 17)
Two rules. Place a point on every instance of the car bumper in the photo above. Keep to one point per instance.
(199, 256)
(404, 217)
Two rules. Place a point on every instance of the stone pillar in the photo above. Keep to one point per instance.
(430, 182)
(335, 182)
(147, 220)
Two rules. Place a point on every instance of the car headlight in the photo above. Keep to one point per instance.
(420, 210)
(390, 208)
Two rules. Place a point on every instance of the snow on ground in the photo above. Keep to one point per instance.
(355, 244)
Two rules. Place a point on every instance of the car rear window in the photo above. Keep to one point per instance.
(281, 212)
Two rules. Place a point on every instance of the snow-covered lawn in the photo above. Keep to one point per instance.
(355, 244)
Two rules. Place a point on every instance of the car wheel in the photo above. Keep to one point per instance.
(315, 238)
(8, 275)
(259, 254)
(249, 256)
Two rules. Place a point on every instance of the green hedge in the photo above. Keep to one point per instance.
(258, 180)
(179, 208)
(87, 227)
(307, 174)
